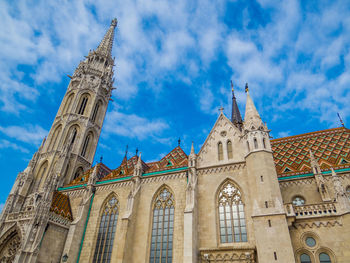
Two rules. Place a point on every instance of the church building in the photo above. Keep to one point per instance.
(242, 198)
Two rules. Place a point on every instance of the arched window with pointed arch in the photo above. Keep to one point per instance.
(231, 214)
(324, 258)
(96, 111)
(82, 105)
(255, 143)
(106, 231)
(229, 150)
(54, 138)
(264, 143)
(305, 258)
(161, 250)
(85, 148)
(67, 104)
(78, 172)
(220, 151)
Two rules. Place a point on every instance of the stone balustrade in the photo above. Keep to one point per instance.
(311, 210)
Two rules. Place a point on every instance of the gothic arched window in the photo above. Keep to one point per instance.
(54, 138)
(229, 150)
(324, 258)
(85, 145)
(264, 143)
(220, 151)
(68, 103)
(162, 228)
(231, 214)
(82, 106)
(78, 172)
(106, 231)
(95, 112)
(255, 143)
(305, 258)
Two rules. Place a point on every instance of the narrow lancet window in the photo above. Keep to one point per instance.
(162, 228)
(220, 151)
(85, 146)
(94, 114)
(106, 232)
(255, 143)
(229, 150)
(83, 105)
(231, 214)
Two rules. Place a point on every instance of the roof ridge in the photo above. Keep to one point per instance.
(307, 134)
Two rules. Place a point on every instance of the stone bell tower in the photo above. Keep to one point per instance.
(66, 153)
(268, 212)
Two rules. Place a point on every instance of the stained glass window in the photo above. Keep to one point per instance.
(162, 228)
(324, 258)
(305, 258)
(106, 232)
(231, 215)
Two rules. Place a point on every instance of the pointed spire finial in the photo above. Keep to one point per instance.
(137, 150)
(106, 44)
(139, 163)
(179, 142)
(235, 114)
(101, 158)
(314, 164)
(246, 88)
(126, 150)
(192, 149)
(341, 121)
(251, 116)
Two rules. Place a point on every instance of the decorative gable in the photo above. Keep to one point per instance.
(224, 131)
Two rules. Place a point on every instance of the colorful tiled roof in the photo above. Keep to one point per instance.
(61, 205)
(102, 171)
(331, 148)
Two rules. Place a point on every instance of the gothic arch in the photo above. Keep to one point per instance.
(83, 104)
(230, 213)
(68, 102)
(10, 243)
(159, 190)
(54, 137)
(161, 225)
(70, 130)
(78, 172)
(228, 179)
(106, 231)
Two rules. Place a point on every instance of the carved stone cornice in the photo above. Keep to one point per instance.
(163, 177)
(221, 168)
(59, 220)
(286, 184)
(243, 254)
(318, 223)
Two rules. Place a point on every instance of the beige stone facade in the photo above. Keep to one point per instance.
(241, 198)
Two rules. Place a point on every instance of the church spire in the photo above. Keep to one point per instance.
(105, 47)
(251, 116)
(236, 115)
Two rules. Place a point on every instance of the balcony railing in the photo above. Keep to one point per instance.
(312, 210)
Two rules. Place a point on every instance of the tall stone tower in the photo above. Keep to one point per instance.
(269, 216)
(66, 153)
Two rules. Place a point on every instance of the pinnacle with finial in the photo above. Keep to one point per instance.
(246, 87)
(236, 117)
(106, 44)
(192, 149)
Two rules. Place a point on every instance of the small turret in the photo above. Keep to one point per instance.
(192, 158)
(320, 181)
(255, 132)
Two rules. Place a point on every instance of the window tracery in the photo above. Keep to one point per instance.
(162, 228)
(229, 150)
(231, 214)
(298, 200)
(106, 232)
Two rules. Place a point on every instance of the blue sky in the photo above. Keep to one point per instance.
(174, 63)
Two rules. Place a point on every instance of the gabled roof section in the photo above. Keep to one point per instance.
(220, 118)
(102, 171)
(331, 148)
(175, 159)
(61, 205)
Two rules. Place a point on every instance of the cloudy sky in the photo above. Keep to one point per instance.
(174, 63)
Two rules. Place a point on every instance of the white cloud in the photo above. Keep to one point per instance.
(5, 144)
(133, 126)
(32, 134)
